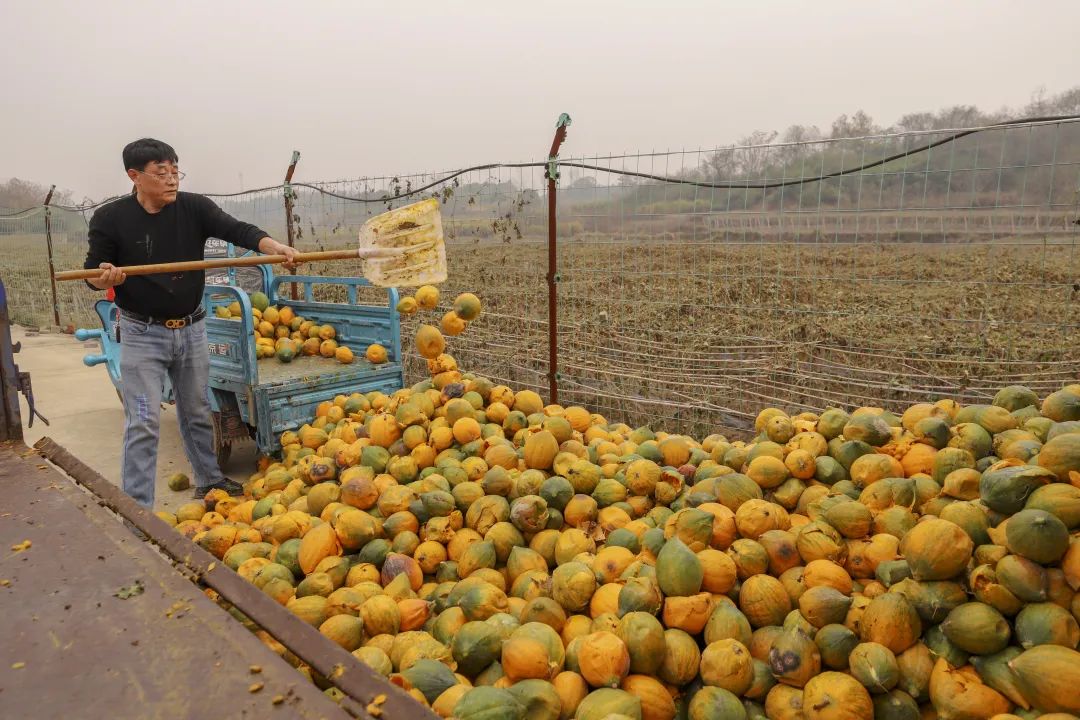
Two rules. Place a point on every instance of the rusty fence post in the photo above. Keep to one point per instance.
(552, 175)
(289, 229)
(52, 264)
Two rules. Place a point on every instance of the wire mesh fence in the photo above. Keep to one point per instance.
(868, 271)
(696, 287)
(24, 260)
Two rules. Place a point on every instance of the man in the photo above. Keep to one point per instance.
(162, 329)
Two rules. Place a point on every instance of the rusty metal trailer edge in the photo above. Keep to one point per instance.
(358, 682)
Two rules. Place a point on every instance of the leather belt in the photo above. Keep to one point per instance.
(171, 323)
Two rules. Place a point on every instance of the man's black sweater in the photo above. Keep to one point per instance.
(123, 233)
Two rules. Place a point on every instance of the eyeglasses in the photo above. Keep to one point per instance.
(165, 176)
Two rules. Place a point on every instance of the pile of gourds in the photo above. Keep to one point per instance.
(499, 558)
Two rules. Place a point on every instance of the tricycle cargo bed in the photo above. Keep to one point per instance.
(289, 393)
(304, 369)
(272, 396)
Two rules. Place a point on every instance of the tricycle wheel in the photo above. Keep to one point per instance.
(222, 446)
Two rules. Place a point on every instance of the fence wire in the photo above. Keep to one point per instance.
(24, 266)
(696, 287)
(946, 272)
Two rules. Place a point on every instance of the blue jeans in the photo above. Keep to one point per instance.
(148, 354)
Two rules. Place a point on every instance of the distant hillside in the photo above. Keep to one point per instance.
(995, 168)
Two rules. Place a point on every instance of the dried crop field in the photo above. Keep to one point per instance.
(24, 268)
(699, 334)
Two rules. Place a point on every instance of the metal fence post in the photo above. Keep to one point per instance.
(289, 208)
(552, 174)
(52, 266)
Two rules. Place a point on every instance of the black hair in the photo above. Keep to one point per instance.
(147, 150)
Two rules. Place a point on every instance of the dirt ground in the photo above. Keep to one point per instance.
(87, 418)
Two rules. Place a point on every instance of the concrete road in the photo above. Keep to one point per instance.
(87, 418)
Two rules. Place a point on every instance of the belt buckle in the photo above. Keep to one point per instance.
(175, 324)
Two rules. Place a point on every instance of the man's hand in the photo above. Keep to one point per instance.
(270, 246)
(111, 276)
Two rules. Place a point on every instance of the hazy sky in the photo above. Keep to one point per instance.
(371, 88)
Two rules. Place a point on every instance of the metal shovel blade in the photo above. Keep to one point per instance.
(405, 247)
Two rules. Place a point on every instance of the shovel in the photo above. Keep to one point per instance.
(400, 248)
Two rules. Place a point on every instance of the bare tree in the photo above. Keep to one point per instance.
(747, 159)
(16, 194)
(798, 139)
(858, 125)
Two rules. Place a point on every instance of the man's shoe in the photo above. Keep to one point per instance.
(233, 488)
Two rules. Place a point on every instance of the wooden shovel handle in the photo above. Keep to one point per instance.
(211, 264)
